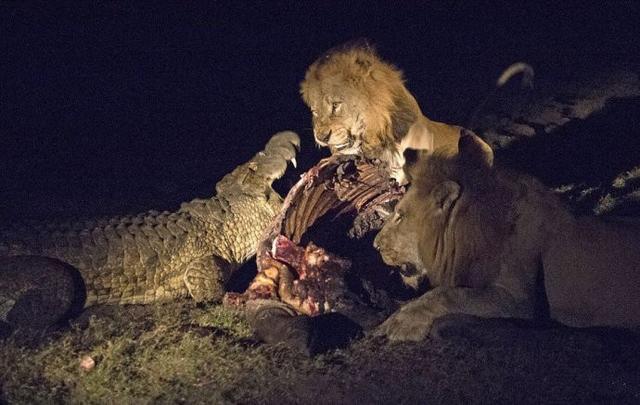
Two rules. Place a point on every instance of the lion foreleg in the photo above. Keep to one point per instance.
(414, 321)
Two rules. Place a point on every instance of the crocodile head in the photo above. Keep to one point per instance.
(281, 148)
(257, 175)
(270, 164)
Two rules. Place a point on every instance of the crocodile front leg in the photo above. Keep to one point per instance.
(205, 277)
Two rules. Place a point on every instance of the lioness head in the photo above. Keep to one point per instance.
(449, 221)
(359, 103)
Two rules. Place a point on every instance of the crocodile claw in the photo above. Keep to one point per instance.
(281, 149)
(283, 139)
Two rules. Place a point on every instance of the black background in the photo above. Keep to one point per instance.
(117, 107)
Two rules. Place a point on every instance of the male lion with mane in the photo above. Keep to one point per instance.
(360, 105)
(491, 243)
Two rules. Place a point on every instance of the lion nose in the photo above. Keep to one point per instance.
(324, 136)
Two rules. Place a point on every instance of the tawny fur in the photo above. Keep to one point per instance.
(360, 105)
(484, 237)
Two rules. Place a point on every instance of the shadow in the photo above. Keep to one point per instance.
(369, 277)
(592, 151)
(79, 294)
(44, 294)
(606, 343)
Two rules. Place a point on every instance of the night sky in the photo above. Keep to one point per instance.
(118, 107)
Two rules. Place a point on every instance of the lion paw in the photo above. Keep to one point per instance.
(405, 326)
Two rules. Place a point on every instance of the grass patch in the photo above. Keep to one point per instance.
(169, 353)
(183, 353)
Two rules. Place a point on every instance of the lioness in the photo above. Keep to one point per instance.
(360, 105)
(482, 236)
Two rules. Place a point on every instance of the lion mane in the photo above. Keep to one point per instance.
(360, 105)
(494, 243)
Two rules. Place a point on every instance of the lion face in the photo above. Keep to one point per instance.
(412, 237)
(397, 240)
(337, 116)
(439, 226)
(358, 102)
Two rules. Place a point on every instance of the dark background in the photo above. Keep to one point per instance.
(117, 107)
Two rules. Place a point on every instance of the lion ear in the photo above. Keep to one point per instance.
(445, 194)
(365, 63)
(411, 158)
(473, 151)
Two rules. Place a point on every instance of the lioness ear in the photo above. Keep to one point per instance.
(473, 151)
(445, 194)
(411, 159)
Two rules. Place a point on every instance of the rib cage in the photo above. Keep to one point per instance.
(340, 184)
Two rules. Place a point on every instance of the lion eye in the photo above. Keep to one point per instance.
(335, 106)
(314, 113)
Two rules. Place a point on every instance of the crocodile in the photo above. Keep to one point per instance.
(154, 256)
